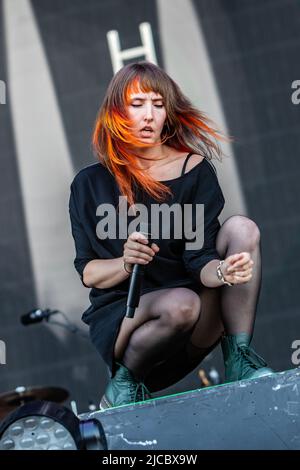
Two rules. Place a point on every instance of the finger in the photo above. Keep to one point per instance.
(241, 279)
(243, 273)
(135, 260)
(245, 259)
(248, 265)
(238, 275)
(246, 268)
(240, 268)
(230, 260)
(231, 263)
(138, 254)
(138, 236)
(137, 246)
(155, 247)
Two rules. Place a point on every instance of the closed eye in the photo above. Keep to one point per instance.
(156, 105)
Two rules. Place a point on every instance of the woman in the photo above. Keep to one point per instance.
(154, 148)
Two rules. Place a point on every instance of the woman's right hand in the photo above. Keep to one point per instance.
(136, 250)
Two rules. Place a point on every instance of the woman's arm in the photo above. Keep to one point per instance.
(236, 269)
(104, 273)
(208, 274)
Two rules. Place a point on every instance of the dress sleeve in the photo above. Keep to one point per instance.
(83, 249)
(208, 193)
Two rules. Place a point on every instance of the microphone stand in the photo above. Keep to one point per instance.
(68, 325)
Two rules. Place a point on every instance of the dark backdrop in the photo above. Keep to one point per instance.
(254, 67)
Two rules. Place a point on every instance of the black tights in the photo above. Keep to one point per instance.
(194, 328)
(239, 303)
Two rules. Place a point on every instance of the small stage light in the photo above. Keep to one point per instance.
(42, 425)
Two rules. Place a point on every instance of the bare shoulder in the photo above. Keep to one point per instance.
(193, 161)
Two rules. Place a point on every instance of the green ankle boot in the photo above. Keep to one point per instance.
(241, 361)
(123, 389)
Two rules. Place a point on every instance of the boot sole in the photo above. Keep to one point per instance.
(104, 404)
(262, 373)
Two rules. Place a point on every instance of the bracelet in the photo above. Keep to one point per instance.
(220, 274)
(129, 272)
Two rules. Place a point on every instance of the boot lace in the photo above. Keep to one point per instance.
(139, 391)
(251, 358)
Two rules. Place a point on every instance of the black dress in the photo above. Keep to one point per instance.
(173, 266)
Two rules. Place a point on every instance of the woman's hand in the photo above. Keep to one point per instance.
(136, 250)
(237, 269)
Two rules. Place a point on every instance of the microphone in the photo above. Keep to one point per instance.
(136, 281)
(36, 316)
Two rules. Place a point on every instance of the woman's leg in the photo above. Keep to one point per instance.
(162, 321)
(229, 309)
(202, 339)
(239, 303)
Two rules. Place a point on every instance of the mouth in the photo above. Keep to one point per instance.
(147, 131)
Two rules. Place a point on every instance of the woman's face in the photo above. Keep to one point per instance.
(146, 110)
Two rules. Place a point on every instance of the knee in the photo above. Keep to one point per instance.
(183, 312)
(245, 229)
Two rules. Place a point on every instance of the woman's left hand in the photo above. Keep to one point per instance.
(237, 268)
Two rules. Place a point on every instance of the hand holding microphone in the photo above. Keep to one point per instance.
(137, 254)
(137, 251)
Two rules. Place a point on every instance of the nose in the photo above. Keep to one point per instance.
(149, 112)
